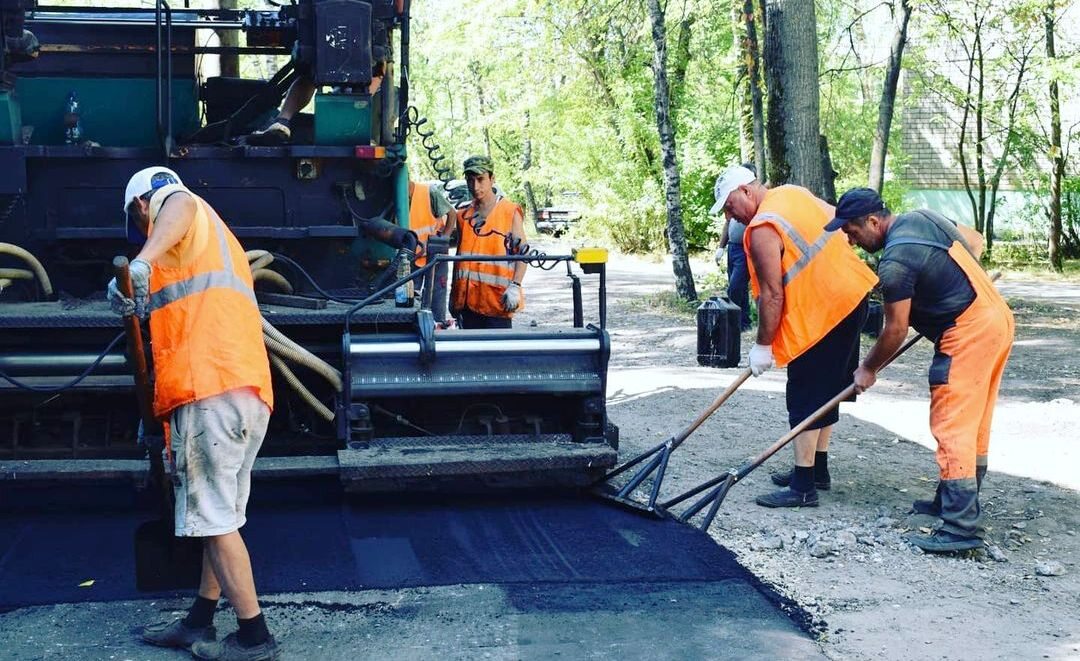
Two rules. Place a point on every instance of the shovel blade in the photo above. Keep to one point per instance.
(164, 561)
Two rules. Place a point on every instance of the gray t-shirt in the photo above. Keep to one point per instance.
(937, 286)
(735, 231)
(439, 204)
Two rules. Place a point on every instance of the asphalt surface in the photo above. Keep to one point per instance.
(516, 576)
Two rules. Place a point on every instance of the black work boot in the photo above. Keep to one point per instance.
(789, 498)
(941, 541)
(177, 634)
(960, 516)
(230, 649)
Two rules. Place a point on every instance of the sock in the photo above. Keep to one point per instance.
(802, 479)
(281, 120)
(821, 466)
(201, 613)
(252, 631)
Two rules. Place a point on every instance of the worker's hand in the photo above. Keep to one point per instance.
(511, 298)
(121, 305)
(760, 358)
(864, 379)
(140, 285)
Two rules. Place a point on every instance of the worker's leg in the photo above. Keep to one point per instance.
(959, 398)
(739, 282)
(814, 378)
(232, 570)
(982, 443)
(296, 99)
(279, 130)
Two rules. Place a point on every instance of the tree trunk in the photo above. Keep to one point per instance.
(745, 111)
(777, 159)
(901, 15)
(474, 69)
(526, 163)
(795, 26)
(678, 69)
(829, 185)
(230, 62)
(753, 71)
(1006, 149)
(800, 103)
(980, 138)
(751, 116)
(680, 262)
(1057, 172)
(964, 118)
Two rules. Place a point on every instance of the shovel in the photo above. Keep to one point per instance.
(162, 561)
(659, 462)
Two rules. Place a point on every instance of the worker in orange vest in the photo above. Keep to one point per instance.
(931, 281)
(192, 278)
(429, 214)
(486, 294)
(811, 290)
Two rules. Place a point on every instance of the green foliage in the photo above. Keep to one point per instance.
(573, 79)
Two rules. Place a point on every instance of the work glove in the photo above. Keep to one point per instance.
(140, 283)
(511, 298)
(760, 359)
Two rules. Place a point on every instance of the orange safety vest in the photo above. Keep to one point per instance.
(205, 326)
(422, 221)
(824, 280)
(479, 286)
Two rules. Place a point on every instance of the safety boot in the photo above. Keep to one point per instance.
(789, 498)
(784, 479)
(942, 541)
(933, 507)
(278, 132)
(230, 649)
(177, 634)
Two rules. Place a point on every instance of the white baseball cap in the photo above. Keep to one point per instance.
(142, 182)
(732, 178)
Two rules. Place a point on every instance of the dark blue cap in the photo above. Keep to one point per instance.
(853, 204)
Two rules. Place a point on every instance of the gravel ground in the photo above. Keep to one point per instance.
(864, 592)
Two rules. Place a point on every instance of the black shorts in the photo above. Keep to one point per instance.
(470, 320)
(824, 370)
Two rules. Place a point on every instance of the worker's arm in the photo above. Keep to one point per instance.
(892, 336)
(974, 240)
(451, 224)
(517, 232)
(724, 232)
(171, 225)
(766, 250)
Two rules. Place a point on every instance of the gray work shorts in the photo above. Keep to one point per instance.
(214, 443)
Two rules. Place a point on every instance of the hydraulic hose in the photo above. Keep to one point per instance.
(259, 259)
(35, 265)
(274, 278)
(300, 389)
(282, 345)
(16, 274)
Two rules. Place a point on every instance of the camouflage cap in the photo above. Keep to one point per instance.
(479, 165)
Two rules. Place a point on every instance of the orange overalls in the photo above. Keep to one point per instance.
(965, 374)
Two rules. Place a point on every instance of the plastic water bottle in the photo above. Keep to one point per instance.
(403, 295)
(72, 121)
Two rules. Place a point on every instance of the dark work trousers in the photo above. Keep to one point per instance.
(469, 319)
(738, 275)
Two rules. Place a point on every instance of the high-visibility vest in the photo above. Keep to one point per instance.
(205, 326)
(823, 278)
(479, 286)
(422, 221)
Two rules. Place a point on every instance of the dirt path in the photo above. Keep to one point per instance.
(869, 594)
